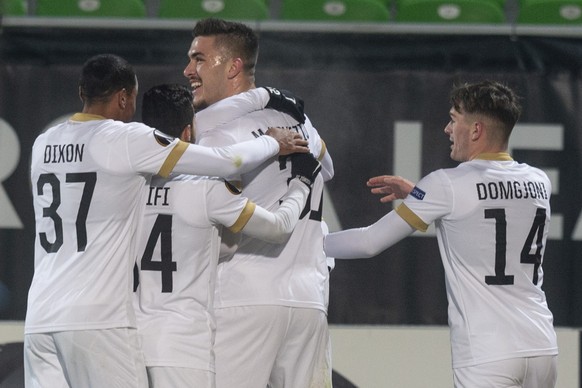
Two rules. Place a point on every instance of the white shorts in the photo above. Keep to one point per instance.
(274, 346)
(171, 377)
(526, 372)
(84, 358)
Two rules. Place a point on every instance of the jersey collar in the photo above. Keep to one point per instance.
(501, 156)
(86, 117)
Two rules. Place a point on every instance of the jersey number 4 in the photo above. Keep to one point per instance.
(536, 233)
(162, 232)
(88, 179)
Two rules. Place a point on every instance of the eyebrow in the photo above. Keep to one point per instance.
(192, 54)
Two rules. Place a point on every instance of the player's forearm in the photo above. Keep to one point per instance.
(369, 241)
(277, 226)
(226, 161)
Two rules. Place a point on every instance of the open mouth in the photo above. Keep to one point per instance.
(195, 85)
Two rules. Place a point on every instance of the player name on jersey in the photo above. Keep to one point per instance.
(158, 196)
(299, 128)
(64, 153)
(511, 190)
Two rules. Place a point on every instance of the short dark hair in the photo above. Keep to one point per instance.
(168, 107)
(239, 39)
(103, 75)
(489, 98)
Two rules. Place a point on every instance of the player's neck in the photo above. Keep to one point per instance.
(104, 110)
(241, 85)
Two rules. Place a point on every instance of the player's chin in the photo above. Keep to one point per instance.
(199, 103)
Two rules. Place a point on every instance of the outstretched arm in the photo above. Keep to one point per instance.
(369, 241)
(391, 186)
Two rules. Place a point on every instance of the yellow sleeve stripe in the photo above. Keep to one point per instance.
(172, 159)
(323, 150)
(244, 217)
(411, 218)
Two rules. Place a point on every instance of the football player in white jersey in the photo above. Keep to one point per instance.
(492, 216)
(179, 248)
(271, 299)
(88, 176)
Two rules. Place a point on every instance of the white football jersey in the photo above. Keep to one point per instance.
(88, 176)
(492, 219)
(177, 258)
(259, 273)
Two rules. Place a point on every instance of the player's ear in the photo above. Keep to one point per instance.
(235, 68)
(186, 134)
(121, 96)
(477, 130)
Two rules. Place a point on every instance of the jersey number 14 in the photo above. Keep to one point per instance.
(536, 233)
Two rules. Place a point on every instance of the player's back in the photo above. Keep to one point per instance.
(177, 258)
(291, 274)
(84, 194)
(492, 243)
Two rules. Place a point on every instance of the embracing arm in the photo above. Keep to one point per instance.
(277, 226)
(252, 100)
(231, 160)
(368, 241)
(232, 108)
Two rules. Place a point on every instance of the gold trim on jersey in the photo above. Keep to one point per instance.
(86, 117)
(244, 217)
(411, 218)
(503, 156)
(173, 158)
(323, 150)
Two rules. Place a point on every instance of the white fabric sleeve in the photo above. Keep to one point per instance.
(327, 170)
(329, 260)
(232, 108)
(319, 150)
(277, 226)
(226, 161)
(368, 241)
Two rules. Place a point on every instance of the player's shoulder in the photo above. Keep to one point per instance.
(533, 170)
(116, 128)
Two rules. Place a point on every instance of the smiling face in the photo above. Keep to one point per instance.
(459, 129)
(207, 72)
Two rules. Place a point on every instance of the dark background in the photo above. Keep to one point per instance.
(355, 86)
